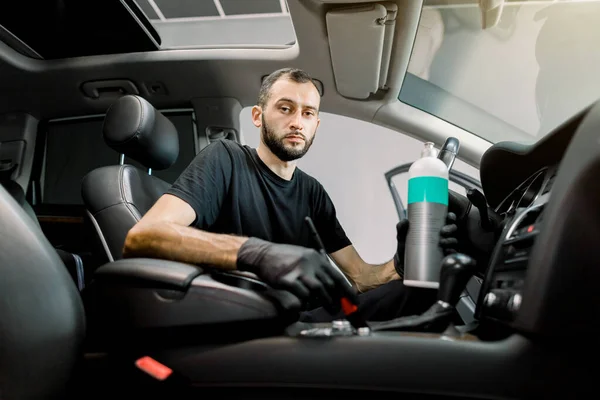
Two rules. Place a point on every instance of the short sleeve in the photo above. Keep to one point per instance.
(330, 230)
(205, 183)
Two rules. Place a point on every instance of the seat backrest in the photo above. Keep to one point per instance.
(42, 317)
(116, 197)
(72, 262)
(18, 194)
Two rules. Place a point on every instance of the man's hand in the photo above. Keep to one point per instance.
(448, 240)
(303, 271)
(473, 239)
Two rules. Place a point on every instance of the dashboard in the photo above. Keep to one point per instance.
(522, 211)
(518, 182)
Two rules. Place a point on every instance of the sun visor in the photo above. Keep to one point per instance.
(360, 44)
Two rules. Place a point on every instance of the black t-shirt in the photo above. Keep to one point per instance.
(234, 192)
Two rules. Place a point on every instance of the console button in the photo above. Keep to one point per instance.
(502, 304)
(514, 302)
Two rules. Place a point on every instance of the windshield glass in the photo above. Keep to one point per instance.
(532, 67)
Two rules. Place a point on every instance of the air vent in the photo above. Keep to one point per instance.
(549, 184)
(533, 190)
(526, 224)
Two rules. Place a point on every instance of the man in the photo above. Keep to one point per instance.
(236, 207)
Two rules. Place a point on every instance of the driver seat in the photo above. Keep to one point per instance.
(117, 196)
(43, 323)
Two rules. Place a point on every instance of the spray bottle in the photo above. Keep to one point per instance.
(427, 211)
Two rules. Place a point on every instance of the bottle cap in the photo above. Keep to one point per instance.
(429, 150)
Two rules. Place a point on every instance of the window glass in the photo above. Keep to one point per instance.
(516, 79)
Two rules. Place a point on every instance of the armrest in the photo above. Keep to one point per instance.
(139, 299)
(160, 274)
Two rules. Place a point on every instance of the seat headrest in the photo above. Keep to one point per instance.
(133, 127)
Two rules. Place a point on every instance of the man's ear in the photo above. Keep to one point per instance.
(257, 116)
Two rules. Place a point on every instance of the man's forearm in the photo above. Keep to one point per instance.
(181, 243)
(373, 276)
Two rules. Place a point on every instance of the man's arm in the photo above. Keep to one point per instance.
(365, 276)
(164, 232)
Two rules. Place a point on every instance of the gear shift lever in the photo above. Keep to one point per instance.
(456, 271)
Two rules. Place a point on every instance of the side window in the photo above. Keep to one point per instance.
(350, 157)
(75, 147)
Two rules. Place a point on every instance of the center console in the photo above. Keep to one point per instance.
(501, 293)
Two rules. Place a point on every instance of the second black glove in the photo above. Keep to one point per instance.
(448, 241)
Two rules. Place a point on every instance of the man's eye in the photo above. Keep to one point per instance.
(285, 109)
(309, 113)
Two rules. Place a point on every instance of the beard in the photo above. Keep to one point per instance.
(278, 147)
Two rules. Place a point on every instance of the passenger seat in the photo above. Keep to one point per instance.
(117, 196)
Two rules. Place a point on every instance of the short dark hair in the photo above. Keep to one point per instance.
(294, 74)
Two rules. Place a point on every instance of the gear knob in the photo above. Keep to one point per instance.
(456, 271)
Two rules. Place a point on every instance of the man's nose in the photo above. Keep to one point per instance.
(296, 122)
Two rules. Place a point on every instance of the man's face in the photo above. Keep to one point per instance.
(289, 120)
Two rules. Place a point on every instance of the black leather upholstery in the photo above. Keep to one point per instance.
(42, 315)
(133, 127)
(138, 300)
(116, 197)
(17, 193)
(158, 273)
(74, 265)
(73, 262)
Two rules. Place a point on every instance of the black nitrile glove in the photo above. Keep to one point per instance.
(448, 235)
(473, 240)
(401, 232)
(304, 272)
(448, 240)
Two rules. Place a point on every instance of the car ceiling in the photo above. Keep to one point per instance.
(50, 89)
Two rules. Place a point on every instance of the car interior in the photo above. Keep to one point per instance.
(130, 91)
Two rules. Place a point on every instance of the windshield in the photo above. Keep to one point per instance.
(530, 69)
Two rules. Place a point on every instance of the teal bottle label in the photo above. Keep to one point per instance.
(431, 189)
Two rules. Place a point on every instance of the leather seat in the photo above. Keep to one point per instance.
(42, 313)
(131, 307)
(116, 197)
(72, 261)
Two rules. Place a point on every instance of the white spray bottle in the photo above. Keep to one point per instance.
(427, 211)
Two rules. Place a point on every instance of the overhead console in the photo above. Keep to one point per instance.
(129, 29)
